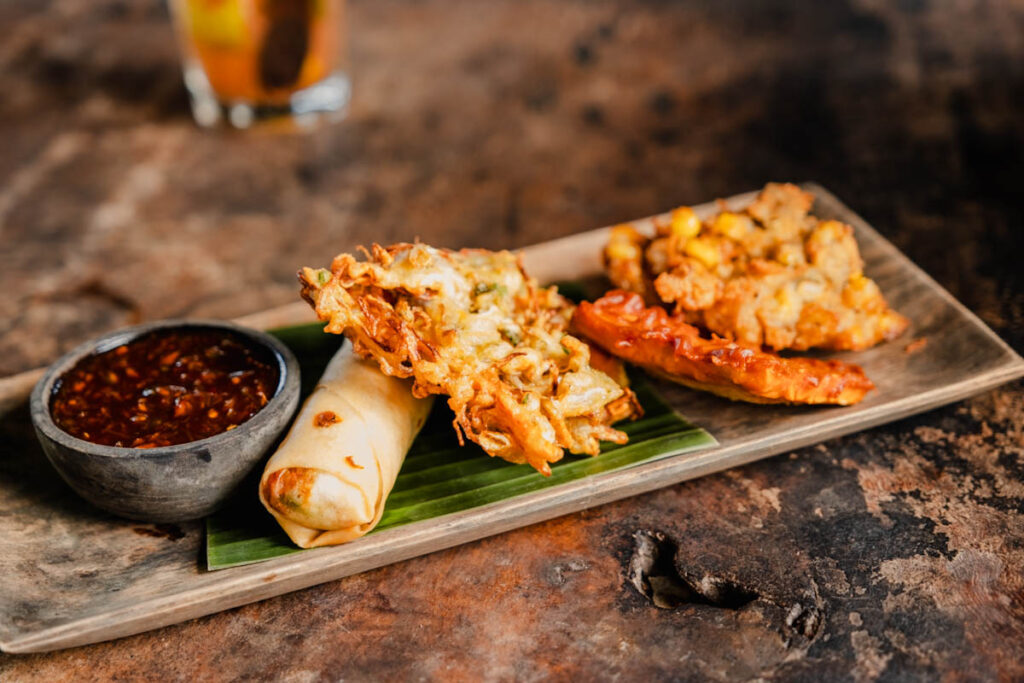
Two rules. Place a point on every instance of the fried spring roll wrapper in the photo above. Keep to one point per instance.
(328, 481)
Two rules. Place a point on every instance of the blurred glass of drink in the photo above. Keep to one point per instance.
(247, 61)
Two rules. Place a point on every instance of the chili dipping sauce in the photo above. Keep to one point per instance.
(167, 387)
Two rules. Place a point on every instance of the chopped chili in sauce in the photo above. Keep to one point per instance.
(164, 388)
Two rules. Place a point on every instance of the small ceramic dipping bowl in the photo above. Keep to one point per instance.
(166, 483)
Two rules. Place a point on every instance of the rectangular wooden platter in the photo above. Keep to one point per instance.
(73, 575)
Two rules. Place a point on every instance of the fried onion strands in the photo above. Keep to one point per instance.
(472, 325)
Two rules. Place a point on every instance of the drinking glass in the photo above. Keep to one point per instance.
(247, 61)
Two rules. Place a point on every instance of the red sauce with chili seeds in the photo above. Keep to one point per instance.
(165, 388)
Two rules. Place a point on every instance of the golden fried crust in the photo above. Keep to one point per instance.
(472, 325)
(770, 275)
(666, 345)
(624, 262)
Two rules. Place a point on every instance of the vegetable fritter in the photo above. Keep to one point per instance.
(771, 275)
(471, 324)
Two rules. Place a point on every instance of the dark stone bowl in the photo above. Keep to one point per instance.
(170, 483)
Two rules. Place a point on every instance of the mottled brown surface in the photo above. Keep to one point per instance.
(500, 124)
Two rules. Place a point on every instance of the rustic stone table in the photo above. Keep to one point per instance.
(895, 554)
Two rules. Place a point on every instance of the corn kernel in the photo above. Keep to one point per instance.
(624, 232)
(685, 223)
(857, 282)
(862, 293)
(790, 254)
(784, 298)
(732, 225)
(623, 251)
(703, 250)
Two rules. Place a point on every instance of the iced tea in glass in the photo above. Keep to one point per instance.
(247, 61)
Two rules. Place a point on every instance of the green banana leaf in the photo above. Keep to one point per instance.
(440, 477)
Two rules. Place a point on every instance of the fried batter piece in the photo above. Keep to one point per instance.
(472, 325)
(622, 324)
(771, 274)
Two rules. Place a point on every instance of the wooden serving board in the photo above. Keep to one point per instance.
(73, 575)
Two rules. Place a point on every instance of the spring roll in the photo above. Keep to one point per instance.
(328, 481)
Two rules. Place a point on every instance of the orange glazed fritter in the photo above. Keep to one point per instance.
(771, 275)
(471, 324)
(668, 346)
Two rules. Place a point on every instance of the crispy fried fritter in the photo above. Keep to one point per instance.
(666, 345)
(472, 325)
(771, 274)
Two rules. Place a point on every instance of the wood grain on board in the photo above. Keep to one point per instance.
(74, 575)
